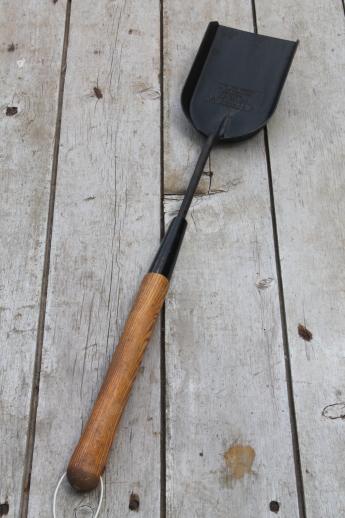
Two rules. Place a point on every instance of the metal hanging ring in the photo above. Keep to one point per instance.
(57, 490)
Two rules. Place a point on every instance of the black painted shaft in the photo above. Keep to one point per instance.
(166, 256)
(195, 179)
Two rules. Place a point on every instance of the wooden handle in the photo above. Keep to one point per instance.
(90, 455)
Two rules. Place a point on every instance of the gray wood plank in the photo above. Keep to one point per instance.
(106, 226)
(229, 447)
(307, 155)
(30, 55)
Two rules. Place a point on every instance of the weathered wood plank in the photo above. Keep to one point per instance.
(30, 54)
(229, 447)
(307, 156)
(106, 226)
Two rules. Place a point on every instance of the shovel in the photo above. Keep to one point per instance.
(230, 93)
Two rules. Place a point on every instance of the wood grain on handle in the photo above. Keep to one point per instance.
(90, 455)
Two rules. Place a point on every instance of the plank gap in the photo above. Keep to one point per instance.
(163, 416)
(255, 22)
(162, 320)
(289, 382)
(44, 286)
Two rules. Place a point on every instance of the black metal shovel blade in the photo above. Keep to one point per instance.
(239, 74)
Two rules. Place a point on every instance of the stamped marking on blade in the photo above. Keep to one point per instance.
(234, 97)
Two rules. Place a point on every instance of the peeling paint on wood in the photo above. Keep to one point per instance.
(239, 460)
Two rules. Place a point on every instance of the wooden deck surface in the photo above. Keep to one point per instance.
(238, 410)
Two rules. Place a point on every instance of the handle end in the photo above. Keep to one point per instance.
(80, 479)
(90, 455)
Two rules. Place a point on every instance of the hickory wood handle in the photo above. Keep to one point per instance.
(90, 455)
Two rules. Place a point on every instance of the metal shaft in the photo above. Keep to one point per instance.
(199, 167)
(166, 256)
(195, 179)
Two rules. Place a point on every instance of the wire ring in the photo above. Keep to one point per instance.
(57, 490)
